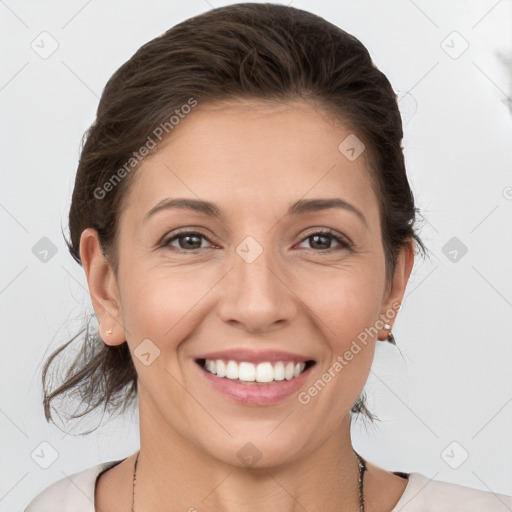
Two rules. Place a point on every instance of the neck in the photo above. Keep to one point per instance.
(173, 472)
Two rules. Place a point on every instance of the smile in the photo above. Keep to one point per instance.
(263, 384)
(263, 372)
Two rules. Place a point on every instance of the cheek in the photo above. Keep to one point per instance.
(348, 310)
(162, 305)
(346, 315)
(347, 302)
(352, 309)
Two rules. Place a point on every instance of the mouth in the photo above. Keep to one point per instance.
(260, 374)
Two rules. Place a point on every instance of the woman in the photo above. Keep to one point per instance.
(244, 219)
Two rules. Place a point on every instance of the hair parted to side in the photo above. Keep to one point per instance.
(242, 51)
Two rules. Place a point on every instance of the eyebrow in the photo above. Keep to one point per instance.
(300, 207)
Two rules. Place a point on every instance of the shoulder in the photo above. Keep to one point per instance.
(423, 494)
(73, 493)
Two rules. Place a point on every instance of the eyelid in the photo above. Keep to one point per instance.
(342, 239)
(190, 230)
(328, 231)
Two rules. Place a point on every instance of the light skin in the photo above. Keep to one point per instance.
(252, 160)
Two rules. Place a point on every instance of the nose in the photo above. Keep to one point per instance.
(256, 295)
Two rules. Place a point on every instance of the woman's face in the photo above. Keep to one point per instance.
(253, 277)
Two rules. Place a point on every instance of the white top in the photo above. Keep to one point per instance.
(76, 494)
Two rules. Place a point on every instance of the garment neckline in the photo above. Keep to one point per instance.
(105, 466)
(401, 474)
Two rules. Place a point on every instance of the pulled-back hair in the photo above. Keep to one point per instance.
(244, 51)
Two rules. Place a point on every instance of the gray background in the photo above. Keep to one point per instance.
(449, 396)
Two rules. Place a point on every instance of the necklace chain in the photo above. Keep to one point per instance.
(362, 469)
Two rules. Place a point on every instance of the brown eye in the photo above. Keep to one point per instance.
(187, 240)
(322, 240)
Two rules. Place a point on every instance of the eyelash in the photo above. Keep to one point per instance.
(344, 243)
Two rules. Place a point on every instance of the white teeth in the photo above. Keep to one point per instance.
(264, 372)
(232, 370)
(249, 372)
(220, 368)
(288, 371)
(279, 371)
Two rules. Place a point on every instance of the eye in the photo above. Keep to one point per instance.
(322, 240)
(187, 240)
(190, 241)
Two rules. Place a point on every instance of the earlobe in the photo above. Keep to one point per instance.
(103, 288)
(110, 336)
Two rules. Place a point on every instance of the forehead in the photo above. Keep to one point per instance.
(254, 154)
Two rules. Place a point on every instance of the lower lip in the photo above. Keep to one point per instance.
(256, 394)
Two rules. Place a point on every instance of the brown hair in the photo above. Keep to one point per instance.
(242, 51)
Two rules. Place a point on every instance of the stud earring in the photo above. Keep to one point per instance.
(390, 338)
(109, 331)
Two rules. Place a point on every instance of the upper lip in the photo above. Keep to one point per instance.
(252, 356)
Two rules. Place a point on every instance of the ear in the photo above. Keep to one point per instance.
(102, 287)
(396, 290)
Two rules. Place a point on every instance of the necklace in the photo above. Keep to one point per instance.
(362, 469)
